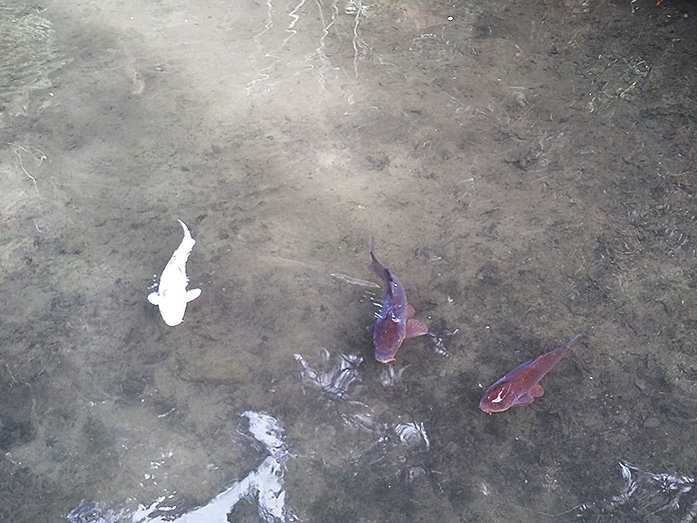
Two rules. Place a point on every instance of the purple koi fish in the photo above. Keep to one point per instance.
(394, 321)
(522, 385)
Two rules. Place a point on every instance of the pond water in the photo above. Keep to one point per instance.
(527, 170)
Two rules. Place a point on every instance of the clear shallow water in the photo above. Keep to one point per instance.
(527, 171)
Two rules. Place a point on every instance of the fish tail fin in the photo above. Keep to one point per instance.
(375, 266)
(372, 250)
(564, 349)
(187, 233)
(188, 242)
(573, 341)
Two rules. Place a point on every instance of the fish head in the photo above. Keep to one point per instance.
(498, 398)
(388, 336)
(173, 314)
(172, 304)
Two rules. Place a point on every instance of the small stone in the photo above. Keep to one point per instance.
(651, 423)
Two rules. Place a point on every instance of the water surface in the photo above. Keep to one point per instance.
(527, 170)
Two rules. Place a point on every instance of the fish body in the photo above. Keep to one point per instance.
(394, 322)
(522, 385)
(171, 296)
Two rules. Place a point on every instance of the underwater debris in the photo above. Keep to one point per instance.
(465, 193)
(647, 497)
(389, 375)
(438, 345)
(362, 421)
(336, 382)
(354, 281)
(413, 434)
(408, 476)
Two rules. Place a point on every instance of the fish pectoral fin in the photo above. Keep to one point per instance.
(410, 311)
(192, 294)
(525, 399)
(415, 328)
(154, 298)
(371, 327)
(536, 391)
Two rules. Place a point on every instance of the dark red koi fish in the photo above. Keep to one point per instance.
(394, 321)
(522, 385)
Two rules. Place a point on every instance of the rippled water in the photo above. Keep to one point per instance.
(527, 170)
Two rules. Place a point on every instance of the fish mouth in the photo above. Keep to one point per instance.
(490, 410)
(385, 354)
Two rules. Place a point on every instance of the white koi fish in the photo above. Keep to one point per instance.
(171, 296)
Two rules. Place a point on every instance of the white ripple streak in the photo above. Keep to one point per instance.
(265, 482)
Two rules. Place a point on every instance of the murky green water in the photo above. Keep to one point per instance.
(527, 170)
